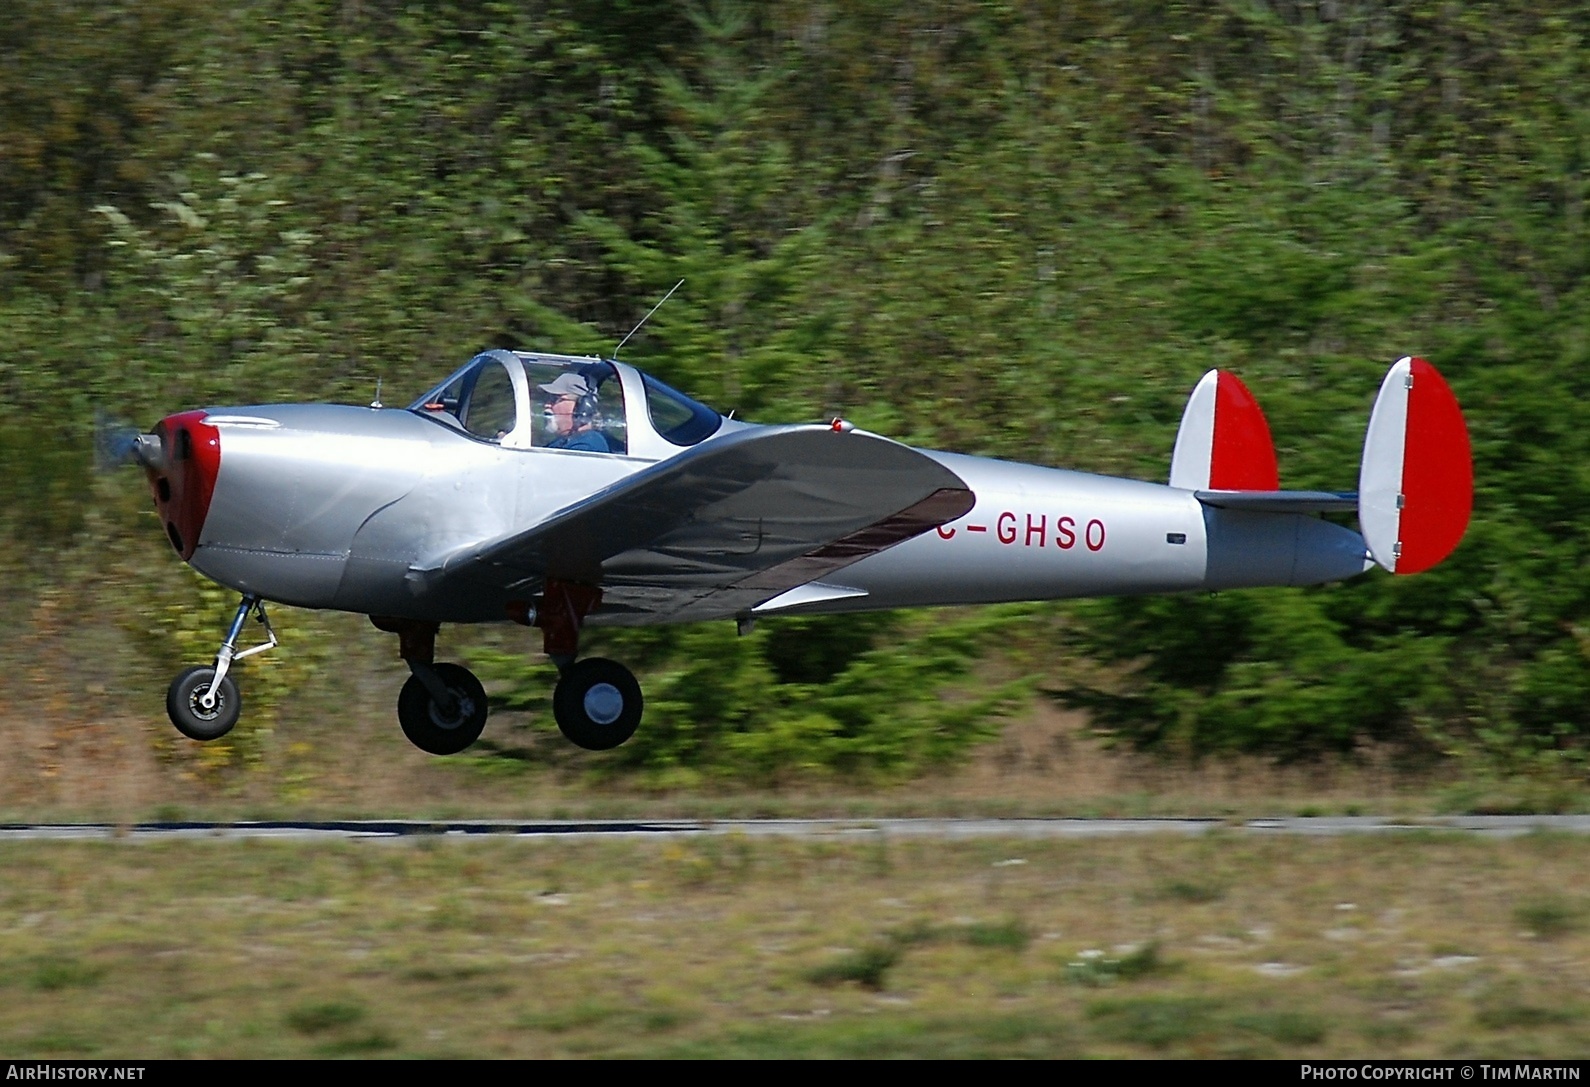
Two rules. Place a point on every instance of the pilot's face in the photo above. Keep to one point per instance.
(560, 414)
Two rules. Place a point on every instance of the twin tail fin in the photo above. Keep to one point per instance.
(1224, 441)
(1416, 484)
(1416, 481)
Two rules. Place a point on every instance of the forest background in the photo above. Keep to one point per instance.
(1009, 229)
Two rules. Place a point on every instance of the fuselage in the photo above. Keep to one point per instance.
(329, 506)
(1040, 533)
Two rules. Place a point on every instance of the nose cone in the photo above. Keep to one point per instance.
(183, 486)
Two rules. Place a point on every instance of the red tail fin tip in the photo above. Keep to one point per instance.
(1224, 442)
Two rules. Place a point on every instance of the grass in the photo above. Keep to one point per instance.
(866, 967)
(1094, 967)
(1549, 917)
(54, 972)
(1408, 946)
(317, 1017)
(1226, 945)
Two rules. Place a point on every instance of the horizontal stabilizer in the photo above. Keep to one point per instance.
(1224, 441)
(1416, 486)
(1280, 501)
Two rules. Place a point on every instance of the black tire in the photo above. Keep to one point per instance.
(597, 703)
(435, 732)
(191, 718)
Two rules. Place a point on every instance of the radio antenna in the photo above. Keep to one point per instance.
(646, 318)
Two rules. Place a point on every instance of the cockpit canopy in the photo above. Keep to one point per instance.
(521, 400)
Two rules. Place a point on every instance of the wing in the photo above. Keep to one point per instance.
(719, 528)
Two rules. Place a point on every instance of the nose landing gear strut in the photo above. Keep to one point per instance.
(203, 701)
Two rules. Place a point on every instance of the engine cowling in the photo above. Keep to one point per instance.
(183, 482)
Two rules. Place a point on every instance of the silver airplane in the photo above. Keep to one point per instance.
(556, 491)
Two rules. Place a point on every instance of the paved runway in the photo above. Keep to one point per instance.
(834, 829)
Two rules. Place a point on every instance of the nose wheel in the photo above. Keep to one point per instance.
(203, 702)
(185, 704)
(597, 703)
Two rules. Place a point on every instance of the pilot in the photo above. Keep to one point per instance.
(571, 414)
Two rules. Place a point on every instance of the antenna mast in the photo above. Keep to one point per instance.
(646, 318)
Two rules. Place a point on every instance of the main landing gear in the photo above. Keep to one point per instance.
(442, 707)
(442, 712)
(597, 702)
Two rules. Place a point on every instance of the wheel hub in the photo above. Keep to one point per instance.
(604, 703)
(465, 708)
(197, 699)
